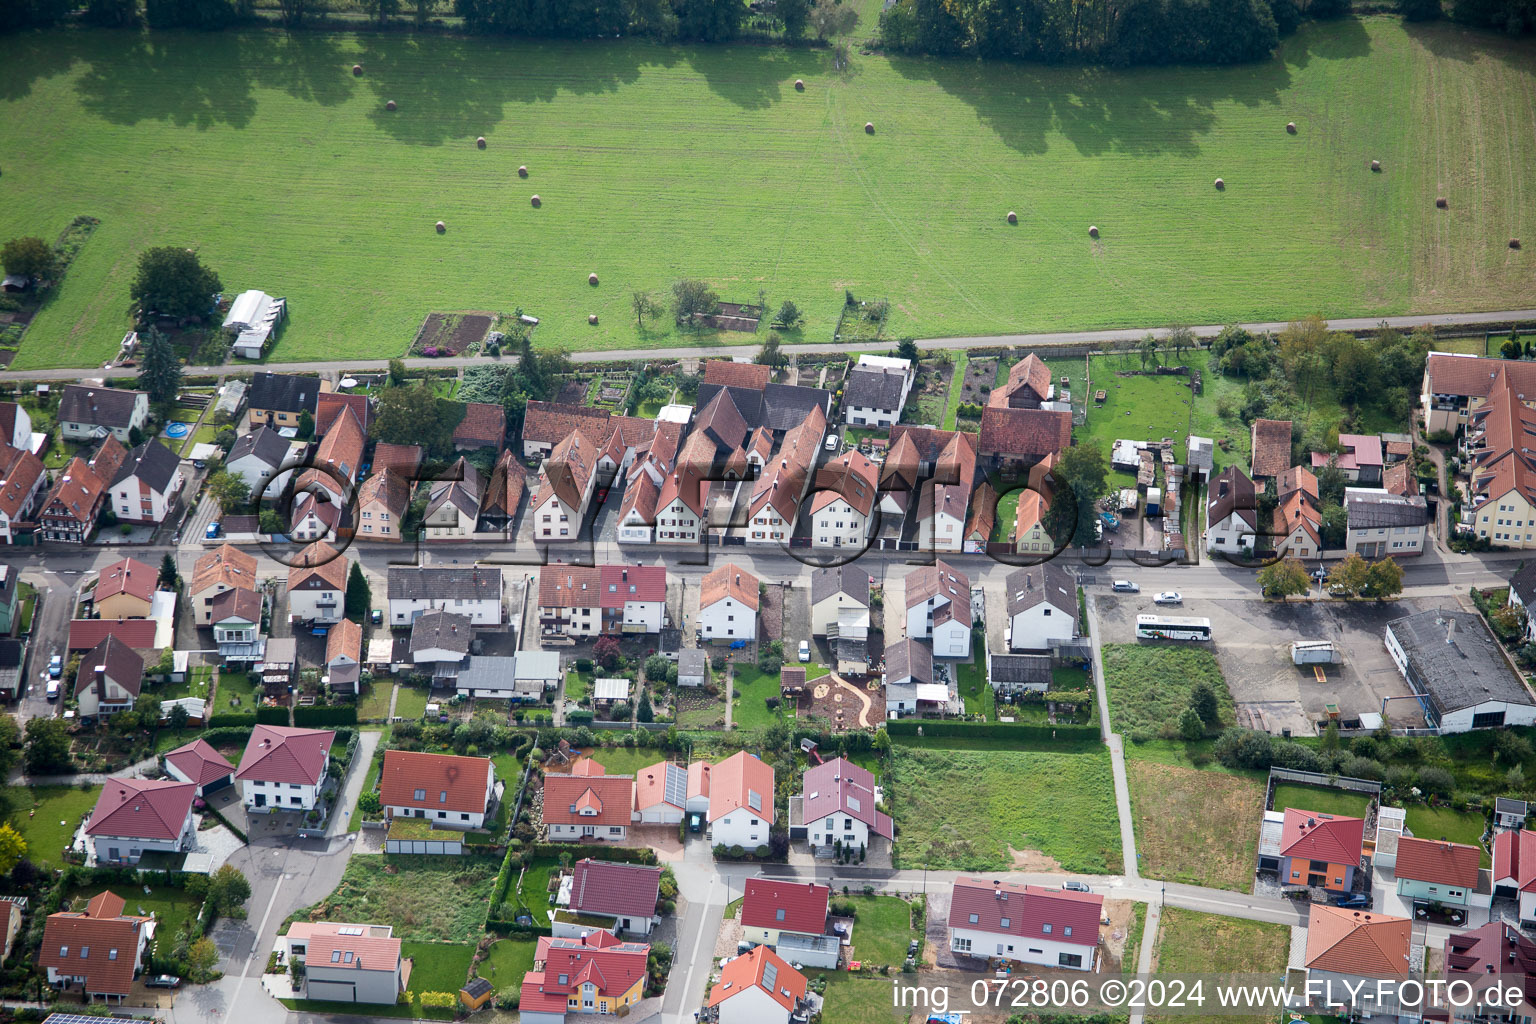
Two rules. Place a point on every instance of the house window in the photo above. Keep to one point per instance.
(961, 945)
(1007, 922)
(1067, 931)
(1046, 928)
(975, 919)
(778, 915)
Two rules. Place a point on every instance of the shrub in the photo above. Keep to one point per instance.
(439, 1000)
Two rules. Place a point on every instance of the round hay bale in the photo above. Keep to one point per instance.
(480, 142)
(1376, 166)
(1290, 127)
(535, 201)
(592, 280)
(357, 69)
(1220, 184)
(1093, 231)
(1013, 218)
(522, 172)
(1514, 243)
(1442, 203)
(591, 318)
(441, 227)
(390, 105)
(869, 127)
(799, 85)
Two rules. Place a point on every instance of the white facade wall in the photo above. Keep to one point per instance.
(941, 532)
(864, 416)
(635, 530)
(741, 828)
(306, 604)
(661, 814)
(588, 833)
(829, 830)
(1026, 950)
(951, 640)
(644, 616)
(1034, 628)
(128, 499)
(128, 849)
(554, 520)
(839, 525)
(1383, 541)
(728, 619)
(1228, 535)
(678, 524)
(752, 1006)
(823, 615)
(768, 527)
(1514, 714)
(481, 612)
(285, 796)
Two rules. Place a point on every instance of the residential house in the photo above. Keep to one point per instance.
(98, 950)
(10, 598)
(439, 644)
(776, 496)
(503, 495)
(343, 657)
(1397, 478)
(337, 460)
(1019, 438)
(791, 918)
(522, 677)
(404, 459)
(1030, 536)
(637, 512)
(11, 913)
(1454, 385)
(1019, 673)
(1348, 949)
(1028, 386)
(838, 805)
(317, 584)
(16, 428)
(89, 413)
(876, 391)
(198, 763)
(283, 768)
(759, 987)
(329, 406)
(382, 504)
(943, 499)
(1296, 479)
(683, 499)
(125, 590)
(260, 458)
(1502, 478)
(1452, 660)
(253, 318)
(316, 516)
(728, 598)
(546, 424)
(692, 667)
(1298, 528)
(279, 400)
(982, 520)
(938, 600)
(1027, 924)
(900, 475)
(1231, 513)
(1522, 594)
(1514, 871)
(588, 807)
(484, 426)
(146, 484)
(1382, 524)
(472, 591)
(627, 437)
(347, 963)
(71, 507)
(22, 479)
(623, 895)
(138, 816)
(1042, 606)
(661, 793)
(779, 407)
(911, 687)
(1494, 957)
(737, 374)
(1305, 848)
(1271, 448)
(238, 627)
(1509, 813)
(452, 791)
(1361, 460)
(741, 810)
(109, 679)
(1436, 871)
(840, 598)
(596, 973)
(224, 568)
(566, 482)
(453, 503)
(138, 634)
(581, 601)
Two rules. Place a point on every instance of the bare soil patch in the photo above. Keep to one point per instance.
(1221, 852)
(1033, 860)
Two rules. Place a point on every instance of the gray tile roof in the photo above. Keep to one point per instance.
(1454, 659)
(285, 392)
(440, 583)
(909, 659)
(873, 388)
(442, 631)
(264, 443)
(850, 579)
(152, 462)
(1049, 581)
(692, 662)
(102, 407)
(1370, 509)
(1021, 668)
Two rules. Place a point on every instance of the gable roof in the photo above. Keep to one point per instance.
(75, 493)
(841, 787)
(1357, 942)
(244, 605)
(728, 581)
(737, 375)
(568, 471)
(439, 630)
(940, 580)
(600, 800)
(130, 576)
(19, 474)
(406, 458)
(344, 640)
(329, 405)
(263, 444)
(665, 782)
(138, 634)
(97, 406)
(120, 663)
(611, 965)
(388, 490)
(100, 943)
(983, 513)
(1047, 583)
(1271, 447)
(1296, 478)
(1333, 838)
(850, 579)
(1019, 668)
(444, 582)
(1030, 375)
(608, 888)
(873, 387)
(319, 561)
(620, 584)
(762, 969)
(784, 905)
(909, 658)
(450, 782)
(483, 426)
(551, 422)
(1015, 433)
(285, 392)
(851, 477)
(339, 452)
(504, 491)
(278, 753)
(1431, 860)
(462, 487)
(225, 564)
(722, 421)
(1298, 512)
(786, 405)
(200, 762)
(151, 462)
(1514, 857)
(742, 780)
(1495, 953)
(1030, 911)
(141, 809)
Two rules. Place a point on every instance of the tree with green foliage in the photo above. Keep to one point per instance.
(1284, 578)
(906, 349)
(10, 743)
(1081, 478)
(202, 960)
(789, 316)
(306, 427)
(396, 372)
(229, 889)
(644, 712)
(178, 717)
(771, 354)
(12, 848)
(271, 522)
(832, 18)
(169, 578)
(1190, 725)
(369, 804)
(47, 748)
(230, 491)
(1383, 580)
(1436, 781)
(359, 595)
(1356, 366)
(159, 369)
(173, 282)
(645, 306)
(1203, 700)
(412, 415)
(692, 299)
(1147, 349)
(30, 256)
(112, 13)
(1349, 577)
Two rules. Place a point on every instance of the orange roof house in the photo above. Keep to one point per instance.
(1355, 942)
(588, 807)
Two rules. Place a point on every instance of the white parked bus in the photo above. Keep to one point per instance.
(1172, 627)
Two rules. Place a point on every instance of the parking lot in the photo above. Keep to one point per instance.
(1251, 640)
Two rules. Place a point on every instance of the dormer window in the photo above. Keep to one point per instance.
(420, 794)
(1046, 929)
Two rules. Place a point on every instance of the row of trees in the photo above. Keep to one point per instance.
(1353, 577)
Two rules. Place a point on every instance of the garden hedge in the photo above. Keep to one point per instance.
(320, 715)
(1064, 734)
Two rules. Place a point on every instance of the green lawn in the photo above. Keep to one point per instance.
(195, 684)
(974, 687)
(1141, 408)
(577, 685)
(881, 928)
(533, 890)
(411, 702)
(853, 1000)
(507, 961)
(1149, 686)
(1007, 513)
(1444, 823)
(751, 690)
(169, 739)
(956, 383)
(425, 899)
(438, 966)
(1321, 801)
(974, 806)
(1189, 942)
(1134, 152)
(235, 686)
(370, 783)
(1165, 798)
(25, 605)
(627, 760)
(373, 705)
(171, 907)
(321, 1007)
(55, 813)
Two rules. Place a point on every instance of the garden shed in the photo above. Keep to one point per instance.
(607, 691)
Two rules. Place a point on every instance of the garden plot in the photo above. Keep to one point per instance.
(451, 334)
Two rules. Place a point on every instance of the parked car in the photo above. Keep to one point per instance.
(213, 530)
(695, 822)
(55, 666)
(1169, 597)
(1125, 587)
(163, 981)
(1320, 573)
(53, 689)
(805, 650)
(1353, 899)
(832, 442)
(377, 617)
(1075, 886)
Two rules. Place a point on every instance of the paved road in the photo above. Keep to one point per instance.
(1043, 340)
(1116, 744)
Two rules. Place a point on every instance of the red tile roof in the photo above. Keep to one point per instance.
(608, 798)
(622, 890)
(1495, 954)
(611, 965)
(1464, 376)
(402, 457)
(1332, 838)
(329, 405)
(344, 640)
(278, 753)
(138, 634)
(333, 944)
(607, 586)
(98, 943)
(551, 422)
(141, 809)
(483, 426)
(1032, 911)
(622, 583)
(1018, 433)
(76, 493)
(737, 375)
(450, 783)
(741, 780)
(19, 472)
(244, 605)
(839, 786)
(1357, 942)
(1029, 373)
(1433, 860)
(388, 489)
(1271, 447)
(780, 905)
(1514, 857)
(728, 581)
(651, 785)
(200, 762)
(319, 561)
(751, 971)
(225, 564)
(851, 477)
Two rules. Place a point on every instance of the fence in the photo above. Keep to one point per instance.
(1279, 775)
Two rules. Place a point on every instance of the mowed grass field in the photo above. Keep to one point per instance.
(263, 152)
(1190, 943)
(1221, 853)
